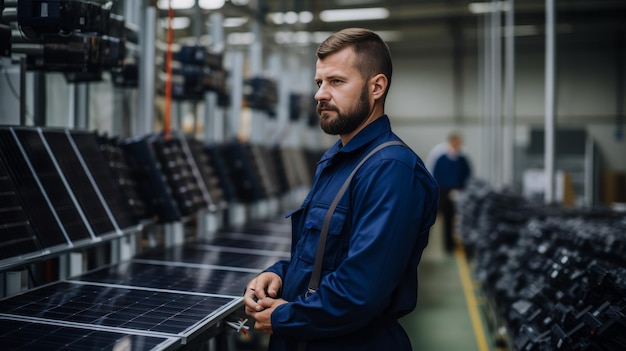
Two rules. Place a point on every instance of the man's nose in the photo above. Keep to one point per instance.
(322, 93)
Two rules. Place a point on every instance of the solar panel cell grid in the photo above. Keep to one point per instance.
(79, 182)
(51, 181)
(97, 167)
(121, 171)
(24, 335)
(18, 178)
(117, 307)
(17, 237)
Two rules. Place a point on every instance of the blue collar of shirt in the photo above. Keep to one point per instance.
(372, 131)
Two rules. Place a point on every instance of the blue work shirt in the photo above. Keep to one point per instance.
(452, 172)
(376, 238)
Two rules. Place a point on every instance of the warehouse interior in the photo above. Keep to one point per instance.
(149, 151)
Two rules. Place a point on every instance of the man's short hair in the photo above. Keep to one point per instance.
(372, 53)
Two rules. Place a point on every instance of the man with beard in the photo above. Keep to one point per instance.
(377, 229)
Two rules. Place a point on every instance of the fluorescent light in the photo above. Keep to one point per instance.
(177, 22)
(241, 38)
(211, 4)
(187, 4)
(290, 17)
(277, 17)
(232, 22)
(342, 15)
(302, 37)
(306, 17)
(526, 30)
(355, 2)
(176, 4)
(488, 7)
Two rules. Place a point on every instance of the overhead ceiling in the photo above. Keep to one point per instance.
(432, 24)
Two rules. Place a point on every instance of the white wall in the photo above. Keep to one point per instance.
(421, 100)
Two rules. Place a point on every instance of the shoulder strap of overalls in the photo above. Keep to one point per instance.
(319, 256)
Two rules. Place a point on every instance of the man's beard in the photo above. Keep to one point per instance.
(344, 123)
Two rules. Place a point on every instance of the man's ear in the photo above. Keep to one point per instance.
(379, 84)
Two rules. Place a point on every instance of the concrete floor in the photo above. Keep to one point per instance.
(441, 320)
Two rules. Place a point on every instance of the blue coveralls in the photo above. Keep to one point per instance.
(376, 238)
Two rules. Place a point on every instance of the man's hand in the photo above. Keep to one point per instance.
(265, 285)
(264, 317)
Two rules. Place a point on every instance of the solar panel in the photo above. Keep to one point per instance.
(208, 173)
(123, 174)
(172, 313)
(56, 191)
(17, 236)
(242, 172)
(96, 164)
(177, 169)
(49, 230)
(21, 335)
(153, 187)
(70, 166)
(174, 276)
(250, 243)
(207, 255)
(220, 168)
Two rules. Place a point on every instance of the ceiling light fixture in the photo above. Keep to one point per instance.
(177, 23)
(290, 17)
(176, 4)
(231, 22)
(488, 7)
(344, 15)
(211, 4)
(305, 17)
(241, 38)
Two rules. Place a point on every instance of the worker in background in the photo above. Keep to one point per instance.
(377, 232)
(451, 168)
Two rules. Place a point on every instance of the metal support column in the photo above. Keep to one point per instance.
(550, 102)
(257, 123)
(213, 114)
(209, 221)
(40, 99)
(22, 91)
(80, 112)
(147, 42)
(495, 92)
(485, 44)
(236, 93)
(508, 161)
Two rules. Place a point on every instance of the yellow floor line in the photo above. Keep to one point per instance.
(470, 299)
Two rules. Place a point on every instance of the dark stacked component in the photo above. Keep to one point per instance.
(556, 277)
(80, 38)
